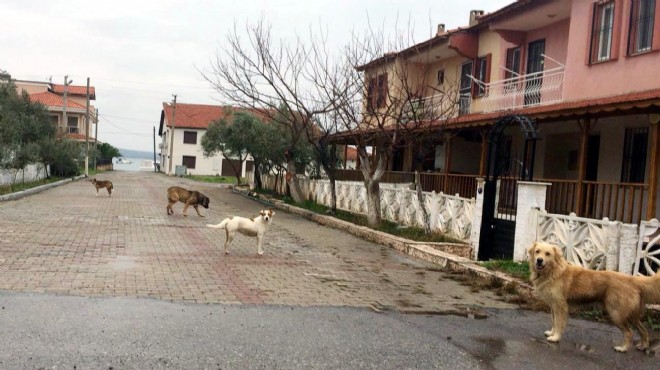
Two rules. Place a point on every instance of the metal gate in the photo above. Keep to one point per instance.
(504, 169)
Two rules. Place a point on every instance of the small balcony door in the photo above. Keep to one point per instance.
(534, 81)
(465, 91)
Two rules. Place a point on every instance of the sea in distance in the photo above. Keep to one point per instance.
(138, 160)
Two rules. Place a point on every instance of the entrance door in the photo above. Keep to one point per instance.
(534, 80)
(498, 223)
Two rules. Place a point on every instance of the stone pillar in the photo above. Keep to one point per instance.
(476, 218)
(531, 199)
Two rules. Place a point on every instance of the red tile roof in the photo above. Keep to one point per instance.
(351, 153)
(193, 115)
(53, 100)
(75, 90)
(197, 115)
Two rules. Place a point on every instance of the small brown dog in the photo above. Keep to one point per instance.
(100, 184)
(559, 284)
(188, 197)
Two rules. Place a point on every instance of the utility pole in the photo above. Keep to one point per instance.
(169, 167)
(155, 149)
(65, 124)
(87, 132)
(96, 135)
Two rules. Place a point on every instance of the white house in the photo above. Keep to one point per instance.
(189, 123)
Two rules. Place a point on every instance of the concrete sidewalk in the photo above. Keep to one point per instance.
(68, 241)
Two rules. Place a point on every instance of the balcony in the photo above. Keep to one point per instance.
(539, 88)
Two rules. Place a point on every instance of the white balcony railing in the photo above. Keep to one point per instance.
(540, 88)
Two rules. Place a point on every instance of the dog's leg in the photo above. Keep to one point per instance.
(260, 239)
(197, 209)
(643, 335)
(230, 237)
(559, 319)
(185, 209)
(551, 332)
(627, 337)
(97, 192)
(170, 210)
(109, 191)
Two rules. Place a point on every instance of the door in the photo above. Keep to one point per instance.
(465, 90)
(534, 80)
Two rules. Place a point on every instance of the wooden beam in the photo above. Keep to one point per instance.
(447, 162)
(582, 166)
(655, 162)
(484, 153)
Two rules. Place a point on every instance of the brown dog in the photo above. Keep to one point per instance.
(559, 283)
(188, 197)
(100, 184)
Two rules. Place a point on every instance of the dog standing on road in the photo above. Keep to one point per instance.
(256, 226)
(559, 283)
(188, 197)
(100, 184)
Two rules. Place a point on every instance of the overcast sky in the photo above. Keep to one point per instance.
(138, 53)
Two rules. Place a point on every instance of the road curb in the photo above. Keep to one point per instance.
(38, 189)
(425, 251)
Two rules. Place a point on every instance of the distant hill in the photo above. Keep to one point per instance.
(136, 154)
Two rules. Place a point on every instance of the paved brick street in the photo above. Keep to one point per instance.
(68, 241)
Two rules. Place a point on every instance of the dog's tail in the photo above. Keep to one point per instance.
(650, 286)
(220, 225)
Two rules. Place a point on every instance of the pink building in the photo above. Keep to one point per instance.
(558, 91)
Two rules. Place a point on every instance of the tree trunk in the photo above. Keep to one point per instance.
(257, 177)
(422, 204)
(292, 181)
(373, 201)
(333, 195)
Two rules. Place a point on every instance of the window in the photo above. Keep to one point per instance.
(190, 137)
(72, 125)
(441, 77)
(377, 92)
(634, 155)
(189, 161)
(642, 16)
(482, 70)
(512, 63)
(55, 120)
(601, 34)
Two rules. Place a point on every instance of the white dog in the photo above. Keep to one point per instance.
(256, 226)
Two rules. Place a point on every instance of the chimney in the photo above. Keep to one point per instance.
(441, 29)
(474, 14)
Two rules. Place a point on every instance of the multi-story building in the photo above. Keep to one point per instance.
(188, 124)
(53, 97)
(577, 80)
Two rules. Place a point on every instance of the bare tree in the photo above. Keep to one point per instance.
(386, 101)
(273, 78)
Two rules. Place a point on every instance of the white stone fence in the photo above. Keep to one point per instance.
(451, 215)
(31, 173)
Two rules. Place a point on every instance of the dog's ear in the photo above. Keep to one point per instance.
(530, 251)
(271, 212)
(558, 253)
(262, 212)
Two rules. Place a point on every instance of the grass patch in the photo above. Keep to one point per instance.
(519, 270)
(7, 189)
(213, 179)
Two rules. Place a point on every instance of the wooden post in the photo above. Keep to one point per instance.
(484, 153)
(582, 165)
(655, 161)
(447, 162)
(346, 155)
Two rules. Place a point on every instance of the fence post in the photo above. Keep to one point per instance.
(531, 199)
(476, 217)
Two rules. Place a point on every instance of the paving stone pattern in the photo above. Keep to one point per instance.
(69, 241)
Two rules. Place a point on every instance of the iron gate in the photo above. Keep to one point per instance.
(504, 169)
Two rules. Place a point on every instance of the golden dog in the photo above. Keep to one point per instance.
(559, 283)
(100, 184)
(188, 197)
